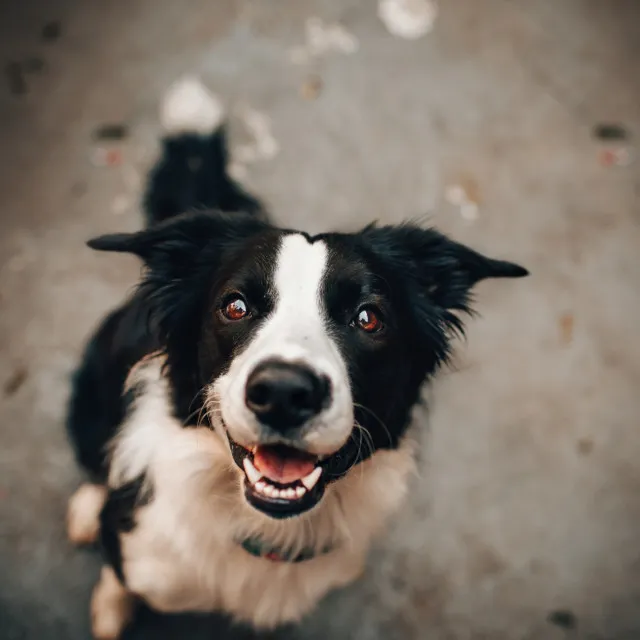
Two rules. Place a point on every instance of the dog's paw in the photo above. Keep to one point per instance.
(112, 607)
(83, 513)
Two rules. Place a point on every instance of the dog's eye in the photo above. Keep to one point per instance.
(235, 308)
(368, 320)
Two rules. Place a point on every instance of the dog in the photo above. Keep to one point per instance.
(245, 416)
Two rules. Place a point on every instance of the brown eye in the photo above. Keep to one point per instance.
(235, 308)
(368, 320)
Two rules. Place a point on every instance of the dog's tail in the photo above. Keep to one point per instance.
(192, 170)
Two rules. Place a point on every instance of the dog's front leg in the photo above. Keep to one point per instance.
(83, 513)
(112, 606)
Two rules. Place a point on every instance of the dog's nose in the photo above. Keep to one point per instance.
(284, 395)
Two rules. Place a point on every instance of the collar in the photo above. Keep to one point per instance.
(256, 547)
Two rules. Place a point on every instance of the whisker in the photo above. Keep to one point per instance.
(378, 420)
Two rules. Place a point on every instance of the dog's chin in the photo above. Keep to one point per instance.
(282, 481)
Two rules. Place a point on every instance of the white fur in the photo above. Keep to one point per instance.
(112, 606)
(83, 513)
(188, 106)
(295, 332)
(183, 553)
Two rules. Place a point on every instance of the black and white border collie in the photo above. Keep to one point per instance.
(246, 414)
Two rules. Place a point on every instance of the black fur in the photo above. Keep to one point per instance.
(96, 407)
(191, 175)
(117, 517)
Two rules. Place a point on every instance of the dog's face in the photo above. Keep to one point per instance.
(308, 352)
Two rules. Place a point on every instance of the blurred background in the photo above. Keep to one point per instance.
(510, 124)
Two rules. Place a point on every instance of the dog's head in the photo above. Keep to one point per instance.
(308, 353)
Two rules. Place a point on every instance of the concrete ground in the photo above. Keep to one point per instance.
(525, 521)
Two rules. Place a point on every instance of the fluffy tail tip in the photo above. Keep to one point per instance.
(189, 107)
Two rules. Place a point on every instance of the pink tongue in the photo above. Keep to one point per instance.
(282, 464)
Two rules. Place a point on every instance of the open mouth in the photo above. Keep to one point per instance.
(280, 481)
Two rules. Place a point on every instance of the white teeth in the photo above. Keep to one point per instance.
(288, 493)
(252, 473)
(311, 480)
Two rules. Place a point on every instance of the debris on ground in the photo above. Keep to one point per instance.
(15, 380)
(111, 132)
(122, 204)
(584, 446)
(311, 88)
(322, 38)
(104, 157)
(566, 323)
(466, 196)
(616, 157)
(263, 145)
(563, 618)
(16, 81)
(408, 19)
(51, 31)
(610, 131)
(616, 153)
(16, 74)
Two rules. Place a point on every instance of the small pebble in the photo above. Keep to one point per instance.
(464, 196)
(563, 618)
(566, 323)
(102, 157)
(51, 31)
(15, 381)
(585, 446)
(311, 88)
(121, 204)
(608, 131)
(616, 157)
(111, 132)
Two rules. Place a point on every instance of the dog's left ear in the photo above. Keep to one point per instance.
(445, 271)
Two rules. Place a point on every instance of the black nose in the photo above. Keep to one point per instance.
(284, 395)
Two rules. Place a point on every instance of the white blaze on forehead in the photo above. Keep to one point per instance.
(298, 278)
(296, 328)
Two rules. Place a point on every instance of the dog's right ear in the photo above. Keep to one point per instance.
(120, 242)
(180, 239)
(181, 255)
